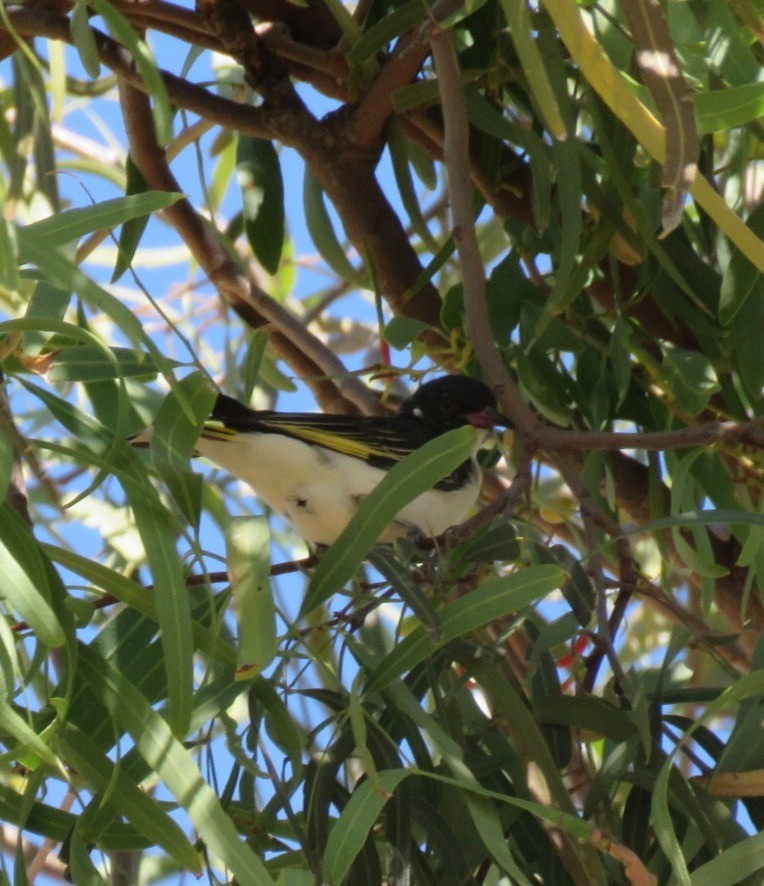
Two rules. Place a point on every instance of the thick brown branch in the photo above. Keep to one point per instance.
(377, 105)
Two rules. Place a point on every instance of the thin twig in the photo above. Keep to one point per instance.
(559, 439)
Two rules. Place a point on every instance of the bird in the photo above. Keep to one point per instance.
(316, 468)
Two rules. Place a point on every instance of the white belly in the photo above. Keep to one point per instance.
(319, 490)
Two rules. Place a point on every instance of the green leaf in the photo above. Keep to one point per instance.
(48, 821)
(721, 109)
(399, 156)
(496, 542)
(521, 29)
(174, 437)
(80, 867)
(577, 587)
(401, 331)
(749, 686)
(585, 712)
(742, 279)
(65, 275)
(485, 604)
(132, 230)
(411, 477)
(280, 725)
(140, 809)
(144, 60)
(9, 262)
(24, 580)
(411, 592)
(136, 597)
(691, 378)
(745, 346)
(89, 363)
(322, 231)
(351, 830)
(386, 29)
(63, 227)
(47, 303)
(84, 39)
(7, 456)
(733, 865)
(31, 748)
(258, 172)
(175, 766)
(157, 531)
(257, 344)
(248, 546)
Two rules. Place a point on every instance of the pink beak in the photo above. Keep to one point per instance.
(488, 418)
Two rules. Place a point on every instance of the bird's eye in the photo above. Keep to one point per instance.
(418, 412)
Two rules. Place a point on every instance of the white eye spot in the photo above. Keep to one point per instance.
(418, 412)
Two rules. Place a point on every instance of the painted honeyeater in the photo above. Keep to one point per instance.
(315, 468)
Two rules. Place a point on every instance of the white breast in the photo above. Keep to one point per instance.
(319, 490)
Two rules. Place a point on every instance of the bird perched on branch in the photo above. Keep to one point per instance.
(315, 469)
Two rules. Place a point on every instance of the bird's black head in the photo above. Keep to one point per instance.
(453, 401)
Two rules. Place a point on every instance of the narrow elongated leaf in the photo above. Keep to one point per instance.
(63, 227)
(136, 597)
(521, 29)
(9, 262)
(386, 29)
(84, 39)
(741, 279)
(144, 60)
(490, 601)
(262, 188)
(248, 546)
(404, 582)
(322, 232)
(47, 303)
(81, 868)
(484, 817)
(604, 77)
(350, 831)
(691, 378)
(172, 443)
(7, 456)
(175, 766)
(48, 821)
(415, 474)
(723, 109)
(748, 686)
(280, 726)
(734, 865)
(585, 712)
(29, 742)
(157, 532)
(404, 180)
(140, 809)
(65, 275)
(89, 363)
(131, 230)
(24, 580)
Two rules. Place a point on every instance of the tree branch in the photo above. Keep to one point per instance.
(456, 152)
